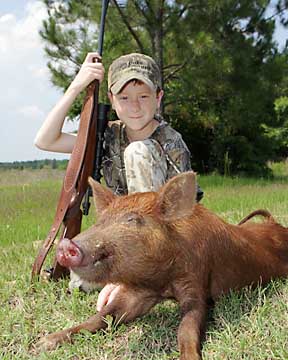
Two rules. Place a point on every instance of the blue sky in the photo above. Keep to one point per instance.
(27, 95)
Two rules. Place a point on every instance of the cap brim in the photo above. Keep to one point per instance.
(118, 85)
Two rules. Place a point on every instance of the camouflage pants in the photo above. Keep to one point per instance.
(145, 165)
(146, 169)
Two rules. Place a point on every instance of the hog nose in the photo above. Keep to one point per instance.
(68, 254)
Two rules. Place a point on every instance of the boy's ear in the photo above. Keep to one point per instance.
(159, 98)
(178, 196)
(110, 96)
(101, 195)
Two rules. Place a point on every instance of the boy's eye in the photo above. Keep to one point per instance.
(123, 97)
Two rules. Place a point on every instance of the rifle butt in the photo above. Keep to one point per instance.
(72, 227)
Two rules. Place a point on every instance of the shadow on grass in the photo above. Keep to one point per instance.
(154, 336)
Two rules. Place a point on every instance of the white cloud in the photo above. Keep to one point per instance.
(39, 72)
(21, 34)
(31, 112)
(6, 19)
(26, 92)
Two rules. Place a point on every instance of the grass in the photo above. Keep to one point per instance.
(250, 324)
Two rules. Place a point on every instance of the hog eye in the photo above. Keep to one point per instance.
(132, 218)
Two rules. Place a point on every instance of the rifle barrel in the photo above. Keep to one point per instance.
(102, 26)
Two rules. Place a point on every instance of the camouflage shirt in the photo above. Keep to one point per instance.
(116, 140)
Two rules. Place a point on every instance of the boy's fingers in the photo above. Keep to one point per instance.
(92, 71)
(91, 56)
(104, 296)
(113, 294)
(97, 66)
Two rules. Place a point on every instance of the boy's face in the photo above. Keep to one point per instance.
(136, 105)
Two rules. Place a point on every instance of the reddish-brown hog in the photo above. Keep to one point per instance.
(161, 245)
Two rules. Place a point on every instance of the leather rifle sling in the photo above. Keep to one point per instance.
(73, 217)
(69, 188)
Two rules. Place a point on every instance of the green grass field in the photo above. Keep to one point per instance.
(251, 324)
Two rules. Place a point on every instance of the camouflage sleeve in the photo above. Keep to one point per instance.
(106, 159)
(112, 164)
(178, 156)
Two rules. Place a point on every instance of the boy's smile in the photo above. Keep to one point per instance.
(136, 106)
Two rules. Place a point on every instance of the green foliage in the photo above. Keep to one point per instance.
(279, 134)
(35, 164)
(221, 69)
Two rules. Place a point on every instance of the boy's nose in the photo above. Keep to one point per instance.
(135, 105)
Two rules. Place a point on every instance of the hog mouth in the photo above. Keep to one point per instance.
(101, 257)
(95, 268)
(95, 260)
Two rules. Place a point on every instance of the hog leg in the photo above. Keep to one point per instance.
(128, 304)
(51, 341)
(189, 332)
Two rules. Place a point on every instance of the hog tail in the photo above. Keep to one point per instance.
(261, 212)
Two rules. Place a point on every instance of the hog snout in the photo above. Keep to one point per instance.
(69, 254)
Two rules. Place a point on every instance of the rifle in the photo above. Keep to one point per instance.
(85, 161)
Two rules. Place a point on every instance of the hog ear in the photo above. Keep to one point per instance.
(102, 196)
(177, 196)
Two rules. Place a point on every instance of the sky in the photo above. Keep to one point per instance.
(27, 93)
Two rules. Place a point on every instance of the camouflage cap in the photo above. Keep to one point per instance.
(133, 66)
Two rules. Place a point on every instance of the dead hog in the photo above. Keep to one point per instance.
(160, 245)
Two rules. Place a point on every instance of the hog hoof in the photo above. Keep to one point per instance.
(47, 343)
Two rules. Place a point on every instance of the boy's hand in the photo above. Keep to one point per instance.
(88, 72)
(106, 295)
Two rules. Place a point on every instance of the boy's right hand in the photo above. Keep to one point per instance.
(88, 72)
(107, 295)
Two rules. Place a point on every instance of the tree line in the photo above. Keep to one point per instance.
(34, 164)
(225, 77)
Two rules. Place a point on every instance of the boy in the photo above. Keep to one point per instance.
(141, 151)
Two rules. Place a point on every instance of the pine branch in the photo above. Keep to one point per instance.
(141, 11)
(178, 16)
(245, 30)
(126, 22)
(280, 11)
(171, 74)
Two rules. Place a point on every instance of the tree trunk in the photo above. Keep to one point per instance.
(157, 42)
